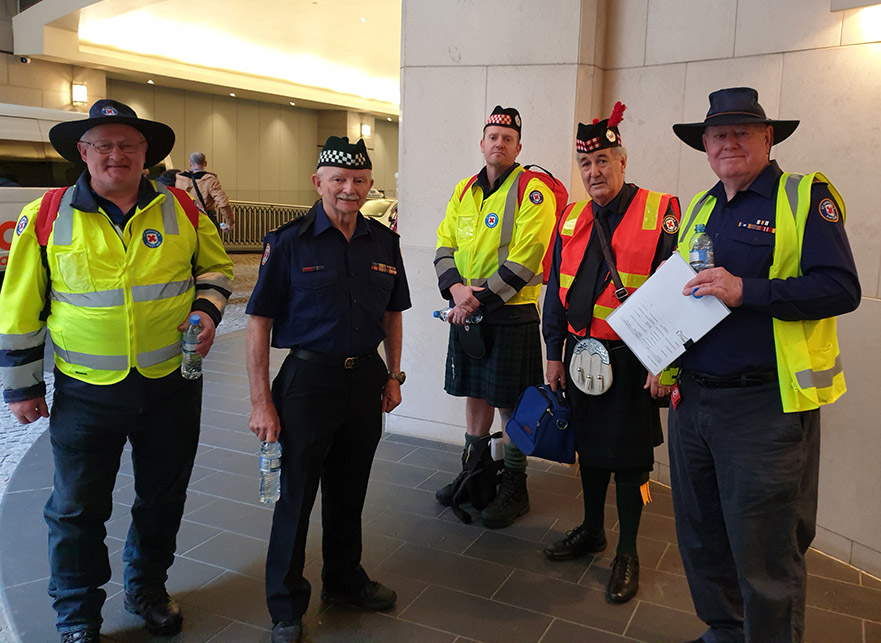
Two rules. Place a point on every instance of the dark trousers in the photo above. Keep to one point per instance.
(89, 426)
(331, 421)
(744, 477)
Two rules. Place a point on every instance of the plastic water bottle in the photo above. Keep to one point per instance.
(473, 318)
(700, 255)
(270, 472)
(191, 366)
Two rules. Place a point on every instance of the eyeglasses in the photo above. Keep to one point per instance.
(105, 147)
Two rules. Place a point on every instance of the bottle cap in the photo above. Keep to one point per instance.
(700, 227)
(436, 313)
(195, 320)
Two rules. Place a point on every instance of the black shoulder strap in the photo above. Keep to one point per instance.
(620, 290)
(199, 193)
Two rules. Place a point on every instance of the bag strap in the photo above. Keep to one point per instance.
(620, 291)
(199, 193)
(187, 204)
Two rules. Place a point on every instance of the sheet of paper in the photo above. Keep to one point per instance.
(658, 322)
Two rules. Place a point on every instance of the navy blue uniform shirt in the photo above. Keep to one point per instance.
(744, 341)
(326, 294)
(555, 323)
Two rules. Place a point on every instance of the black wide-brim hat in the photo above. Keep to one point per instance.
(732, 106)
(64, 136)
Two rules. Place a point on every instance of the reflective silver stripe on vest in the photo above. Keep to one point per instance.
(697, 208)
(153, 292)
(97, 362)
(169, 214)
(62, 230)
(17, 342)
(507, 231)
(443, 260)
(818, 379)
(791, 188)
(151, 358)
(22, 376)
(97, 299)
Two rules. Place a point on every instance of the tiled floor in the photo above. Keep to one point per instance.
(455, 582)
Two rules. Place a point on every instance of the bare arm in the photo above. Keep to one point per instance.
(393, 326)
(264, 421)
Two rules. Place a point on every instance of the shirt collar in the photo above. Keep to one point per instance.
(620, 203)
(762, 185)
(86, 200)
(483, 179)
(320, 221)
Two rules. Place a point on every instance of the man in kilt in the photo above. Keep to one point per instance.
(616, 431)
(490, 247)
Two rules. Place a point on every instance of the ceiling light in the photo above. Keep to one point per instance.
(365, 130)
(292, 103)
(388, 118)
(150, 82)
(363, 19)
(79, 94)
(233, 94)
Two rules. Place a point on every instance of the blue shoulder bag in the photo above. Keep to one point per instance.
(539, 425)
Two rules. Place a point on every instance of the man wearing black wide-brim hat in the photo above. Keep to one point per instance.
(744, 423)
(113, 267)
(331, 289)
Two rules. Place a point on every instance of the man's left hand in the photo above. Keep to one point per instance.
(206, 337)
(653, 384)
(391, 395)
(719, 283)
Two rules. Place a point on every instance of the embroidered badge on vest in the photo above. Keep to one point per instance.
(265, 256)
(671, 225)
(492, 220)
(152, 238)
(536, 197)
(22, 224)
(828, 210)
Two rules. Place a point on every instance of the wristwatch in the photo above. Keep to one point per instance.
(400, 376)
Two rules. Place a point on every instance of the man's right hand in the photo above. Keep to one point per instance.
(29, 411)
(556, 375)
(264, 422)
(466, 303)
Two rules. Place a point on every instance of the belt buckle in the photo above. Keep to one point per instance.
(349, 363)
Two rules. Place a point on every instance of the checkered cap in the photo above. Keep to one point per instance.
(504, 117)
(338, 152)
(597, 136)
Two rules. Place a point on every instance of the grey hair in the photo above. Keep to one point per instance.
(197, 158)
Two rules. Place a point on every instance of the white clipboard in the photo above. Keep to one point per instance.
(658, 323)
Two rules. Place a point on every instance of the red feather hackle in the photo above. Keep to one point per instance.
(617, 114)
(595, 121)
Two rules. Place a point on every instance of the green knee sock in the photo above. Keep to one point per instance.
(514, 458)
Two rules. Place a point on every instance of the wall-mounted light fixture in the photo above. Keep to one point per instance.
(841, 5)
(79, 94)
(365, 130)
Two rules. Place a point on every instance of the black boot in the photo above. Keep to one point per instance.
(624, 580)
(512, 501)
(578, 542)
(160, 612)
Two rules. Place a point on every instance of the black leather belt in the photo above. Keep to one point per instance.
(330, 360)
(743, 380)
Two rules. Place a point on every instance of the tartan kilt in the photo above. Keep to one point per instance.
(513, 361)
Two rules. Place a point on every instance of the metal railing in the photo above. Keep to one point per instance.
(254, 220)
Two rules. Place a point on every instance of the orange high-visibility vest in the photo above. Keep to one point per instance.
(634, 243)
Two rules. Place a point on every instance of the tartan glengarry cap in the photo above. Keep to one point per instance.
(504, 117)
(600, 134)
(338, 152)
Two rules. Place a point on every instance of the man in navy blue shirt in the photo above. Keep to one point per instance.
(331, 288)
(744, 424)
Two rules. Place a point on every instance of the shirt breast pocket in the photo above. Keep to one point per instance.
(315, 279)
(382, 280)
(754, 252)
(73, 271)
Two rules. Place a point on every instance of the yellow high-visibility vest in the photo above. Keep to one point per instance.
(808, 358)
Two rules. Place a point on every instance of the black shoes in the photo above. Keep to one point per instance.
(90, 635)
(373, 597)
(444, 495)
(512, 501)
(287, 632)
(160, 612)
(577, 543)
(624, 580)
